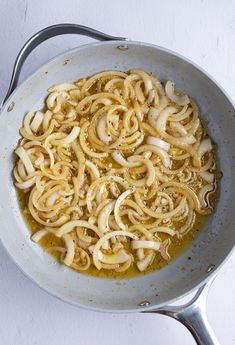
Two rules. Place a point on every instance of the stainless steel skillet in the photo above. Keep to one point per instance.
(152, 292)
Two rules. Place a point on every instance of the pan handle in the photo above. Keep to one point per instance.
(193, 316)
(45, 34)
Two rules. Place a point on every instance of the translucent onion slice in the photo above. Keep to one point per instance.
(37, 236)
(207, 176)
(101, 130)
(52, 199)
(146, 79)
(100, 195)
(117, 208)
(69, 138)
(150, 178)
(160, 152)
(46, 120)
(143, 264)
(93, 168)
(20, 151)
(137, 244)
(103, 218)
(27, 121)
(205, 146)
(26, 184)
(179, 128)
(37, 121)
(118, 157)
(51, 99)
(106, 237)
(152, 116)
(70, 249)
(118, 258)
(158, 142)
(140, 254)
(68, 227)
(142, 229)
(170, 92)
(164, 249)
(161, 128)
(203, 193)
(164, 229)
(62, 87)
(21, 170)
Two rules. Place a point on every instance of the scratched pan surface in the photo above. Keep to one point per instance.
(217, 237)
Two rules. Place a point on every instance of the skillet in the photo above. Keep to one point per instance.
(153, 292)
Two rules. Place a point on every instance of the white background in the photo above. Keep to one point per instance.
(203, 31)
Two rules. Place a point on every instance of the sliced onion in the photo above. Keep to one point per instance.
(207, 176)
(68, 227)
(140, 253)
(114, 190)
(27, 121)
(118, 157)
(178, 127)
(101, 126)
(62, 87)
(51, 99)
(150, 178)
(106, 245)
(143, 264)
(26, 184)
(117, 207)
(69, 138)
(20, 151)
(203, 192)
(158, 142)
(137, 244)
(164, 249)
(46, 120)
(93, 168)
(146, 79)
(37, 236)
(170, 92)
(164, 229)
(105, 238)
(152, 116)
(118, 258)
(70, 249)
(52, 198)
(37, 121)
(162, 153)
(100, 193)
(161, 128)
(103, 218)
(21, 170)
(205, 146)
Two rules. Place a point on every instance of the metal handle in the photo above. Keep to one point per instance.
(45, 34)
(193, 316)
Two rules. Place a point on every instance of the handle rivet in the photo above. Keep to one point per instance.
(144, 304)
(11, 107)
(210, 268)
(123, 47)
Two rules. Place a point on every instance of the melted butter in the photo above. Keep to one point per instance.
(176, 248)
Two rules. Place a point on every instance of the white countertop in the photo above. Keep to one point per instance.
(203, 31)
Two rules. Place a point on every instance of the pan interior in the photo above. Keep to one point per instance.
(215, 240)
